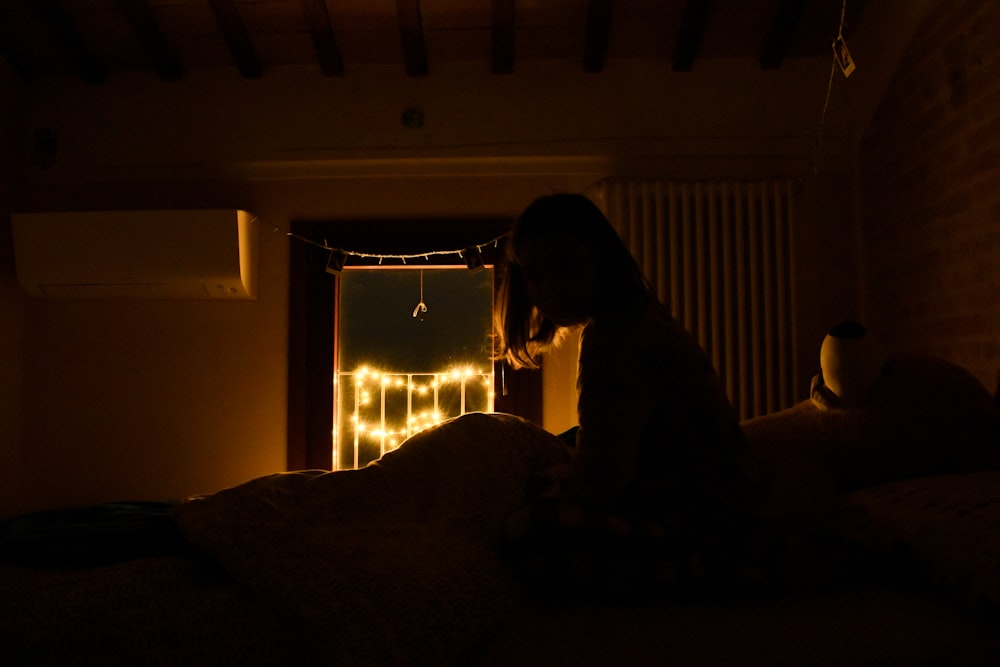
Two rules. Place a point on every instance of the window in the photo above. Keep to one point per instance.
(414, 349)
(314, 295)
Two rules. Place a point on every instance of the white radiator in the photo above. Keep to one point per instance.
(720, 254)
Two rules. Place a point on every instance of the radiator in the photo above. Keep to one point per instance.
(719, 253)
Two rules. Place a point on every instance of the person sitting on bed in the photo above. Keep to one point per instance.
(659, 457)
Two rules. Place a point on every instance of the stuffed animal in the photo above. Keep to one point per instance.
(851, 362)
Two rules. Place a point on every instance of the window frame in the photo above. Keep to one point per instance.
(313, 307)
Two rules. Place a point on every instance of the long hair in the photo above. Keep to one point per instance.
(523, 333)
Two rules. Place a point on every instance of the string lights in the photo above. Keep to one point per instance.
(371, 420)
(385, 408)
(471, 255)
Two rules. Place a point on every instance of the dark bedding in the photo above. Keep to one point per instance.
(91, 535)
(149, 611)
(395, 563)
(400, 563)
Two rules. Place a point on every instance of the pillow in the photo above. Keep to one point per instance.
(946, 528)
(789, 451)
(925, 416)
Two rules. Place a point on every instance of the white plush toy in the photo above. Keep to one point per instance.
(851, 361)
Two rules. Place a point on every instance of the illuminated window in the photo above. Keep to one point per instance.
(414, 348)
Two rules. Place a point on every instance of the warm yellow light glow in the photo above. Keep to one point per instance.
(396, 407)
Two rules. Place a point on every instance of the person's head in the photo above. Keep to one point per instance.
(565, 265)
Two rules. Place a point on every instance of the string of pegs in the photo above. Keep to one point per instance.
(336, 260)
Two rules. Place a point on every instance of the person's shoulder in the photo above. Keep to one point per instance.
(650, 326)
(663, 332)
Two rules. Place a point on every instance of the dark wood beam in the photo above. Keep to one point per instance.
(323, 38)
(502, 37)
(598, 32)
(227, 15)
(411, 31)
(90, 68)
(779, 37)
(163, 59)
(692, 30)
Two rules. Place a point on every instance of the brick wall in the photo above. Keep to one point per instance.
(931, 191)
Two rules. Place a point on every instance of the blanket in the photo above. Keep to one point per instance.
(400, 562)
(395, 563)
(155, 612)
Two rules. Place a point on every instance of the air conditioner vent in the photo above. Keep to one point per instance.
(161, 254)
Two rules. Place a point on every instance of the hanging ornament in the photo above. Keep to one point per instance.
(421, 307)
(843, 56)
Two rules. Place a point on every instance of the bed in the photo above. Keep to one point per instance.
(891, 555)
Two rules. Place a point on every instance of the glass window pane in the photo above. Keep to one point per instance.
(414, 349)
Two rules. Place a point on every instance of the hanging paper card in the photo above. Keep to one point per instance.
(843, 56)
(473, 258)
(335, 262)
(421, 307)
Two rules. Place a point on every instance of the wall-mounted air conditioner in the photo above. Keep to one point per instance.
(178, 254)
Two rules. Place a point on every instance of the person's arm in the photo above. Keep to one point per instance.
(616, 398)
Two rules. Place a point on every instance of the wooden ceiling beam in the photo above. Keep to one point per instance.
(143, 23)
(502, 37)
(693, 23)
(227, 15)
(598, 34)
(411, 31)
(779, 37)
(90, 68)
(331, 62)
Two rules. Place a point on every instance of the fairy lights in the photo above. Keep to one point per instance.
(376, 410)
(471, 255)
(380, 409)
